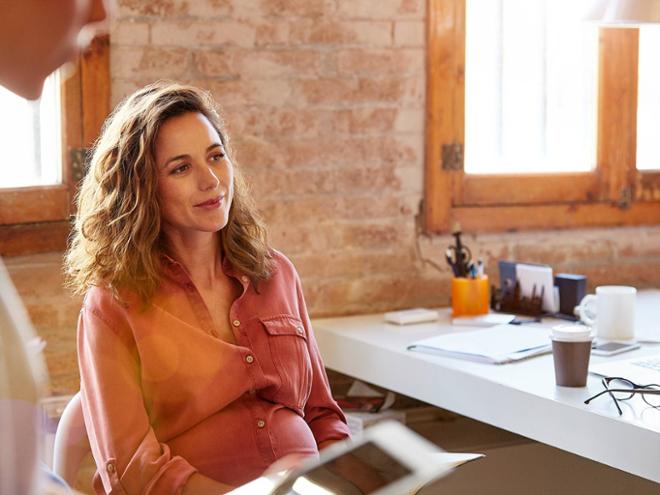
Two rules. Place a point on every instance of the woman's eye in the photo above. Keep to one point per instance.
(217, 157)
(180, 169)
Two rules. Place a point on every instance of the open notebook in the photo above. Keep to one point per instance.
(496, 345)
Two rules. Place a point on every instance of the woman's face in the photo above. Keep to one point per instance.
(195, 177)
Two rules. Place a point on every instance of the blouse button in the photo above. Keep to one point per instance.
(236, 323)
(299, 330)
(110, 467)
(249, 359)
(261, 423)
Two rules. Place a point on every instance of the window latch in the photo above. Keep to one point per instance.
(452, 156)
(625, 198)
(79, 163)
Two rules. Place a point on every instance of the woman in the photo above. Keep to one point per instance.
(198, 364)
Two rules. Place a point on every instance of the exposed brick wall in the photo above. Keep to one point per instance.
(54, 313)
(325, 105)
(324, 101)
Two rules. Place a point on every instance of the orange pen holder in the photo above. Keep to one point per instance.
(470, 296)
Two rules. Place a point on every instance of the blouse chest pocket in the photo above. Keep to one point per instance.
(287, 341)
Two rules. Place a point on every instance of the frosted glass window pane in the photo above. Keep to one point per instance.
(530, 87)
(30, 137)
(648, 99)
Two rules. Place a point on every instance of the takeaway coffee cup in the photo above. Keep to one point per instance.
(571, 349)
(611, 311)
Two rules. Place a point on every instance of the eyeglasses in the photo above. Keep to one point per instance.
(623, 389)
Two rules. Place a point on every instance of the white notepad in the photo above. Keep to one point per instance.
(497, 345)
(538, 278)
(410, 316)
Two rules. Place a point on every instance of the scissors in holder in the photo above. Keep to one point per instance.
(459, 256)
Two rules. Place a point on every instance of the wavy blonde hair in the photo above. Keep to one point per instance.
(116, 239)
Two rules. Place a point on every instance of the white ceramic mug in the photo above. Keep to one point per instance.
(611, 311)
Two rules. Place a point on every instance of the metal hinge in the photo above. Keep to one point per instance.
(452, 156)
(79, 163)
(625, 197)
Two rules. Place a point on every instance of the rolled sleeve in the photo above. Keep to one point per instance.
(153, 467)
(328, 427)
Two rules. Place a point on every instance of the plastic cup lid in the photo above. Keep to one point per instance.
(571, 333)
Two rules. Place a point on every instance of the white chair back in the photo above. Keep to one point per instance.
(71, 443)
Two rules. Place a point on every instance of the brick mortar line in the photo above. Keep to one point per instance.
(279, 47)
(329, 17)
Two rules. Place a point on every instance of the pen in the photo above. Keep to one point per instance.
(480, 268)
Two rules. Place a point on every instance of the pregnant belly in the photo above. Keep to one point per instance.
(232, 446)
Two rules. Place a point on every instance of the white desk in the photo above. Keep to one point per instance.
(520, 397)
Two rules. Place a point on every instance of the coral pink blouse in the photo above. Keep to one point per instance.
(164, 397)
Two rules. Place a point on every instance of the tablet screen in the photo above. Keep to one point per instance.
(361, 471)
